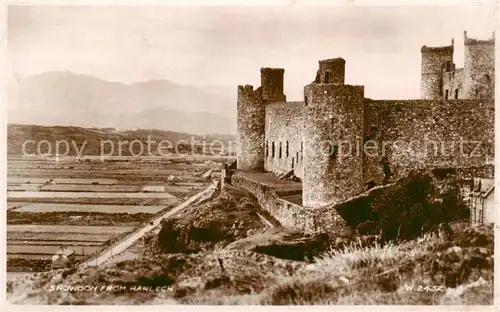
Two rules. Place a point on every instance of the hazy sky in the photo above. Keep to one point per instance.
(226, 46)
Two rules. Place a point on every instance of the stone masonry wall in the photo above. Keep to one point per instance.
(250, 124)
(284, 126)
(433, 60)
(415, 134)
(479, 69)
(453, 81)
(333, 115)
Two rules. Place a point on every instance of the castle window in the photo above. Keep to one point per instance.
(456, 94)
(293, 162)
(446, 94)
(297, 156)
(327, 77)
(279, 155)
(267, 149)
(287, 155)
(305, 100)
(272, 150)
(333, 150)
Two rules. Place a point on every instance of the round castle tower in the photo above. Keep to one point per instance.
(479, 68)
(434, 60)
(251, 118)
(333, 126)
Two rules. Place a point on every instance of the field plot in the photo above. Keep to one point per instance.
(26, 180)
(40, 242)
(92, 201)
(68, 229)
(52, 207)
(11, 206)
(85, 204)
(24, 187)
(90, 188)
(27, 194)
(56, 237)
(83, 172)
(52, 243)
(28, 256)
(84, 181)
(48, 249)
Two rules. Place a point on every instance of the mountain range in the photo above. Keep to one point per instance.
(68, 99)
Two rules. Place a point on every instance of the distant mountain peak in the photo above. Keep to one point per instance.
(64, 97)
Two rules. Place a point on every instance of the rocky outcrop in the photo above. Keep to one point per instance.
(230, 216)
(285, 244)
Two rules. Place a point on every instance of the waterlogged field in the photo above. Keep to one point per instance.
(90, 188)
(39, 242)
(83, 195)
(84, 181)
(87, 204)
(57, 230)
(56, 237)
(53, 207)
(47, 249)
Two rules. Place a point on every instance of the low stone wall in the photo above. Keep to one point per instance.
(291, 215)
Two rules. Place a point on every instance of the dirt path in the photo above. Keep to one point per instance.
(127, 241)
(265, 221)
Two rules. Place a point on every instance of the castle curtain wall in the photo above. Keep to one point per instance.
(453, 84)
(427, 135)
(284, 124)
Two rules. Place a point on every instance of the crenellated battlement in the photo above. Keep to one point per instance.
(472, 41)
(443, 49)
(245, 88)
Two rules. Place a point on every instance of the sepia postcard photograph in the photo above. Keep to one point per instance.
(290, 154)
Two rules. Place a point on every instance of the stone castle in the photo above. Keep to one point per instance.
(476, 80)
(339, 143)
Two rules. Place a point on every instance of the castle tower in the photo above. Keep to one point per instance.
(434, 60)
(331, 71)
(479, 68)
(271, 81)
(251, 118)
(250, 129)
(333, 126)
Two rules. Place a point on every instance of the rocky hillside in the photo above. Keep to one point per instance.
(407, 208)
(222, 253)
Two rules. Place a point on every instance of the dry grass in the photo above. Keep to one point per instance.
(383, 274)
